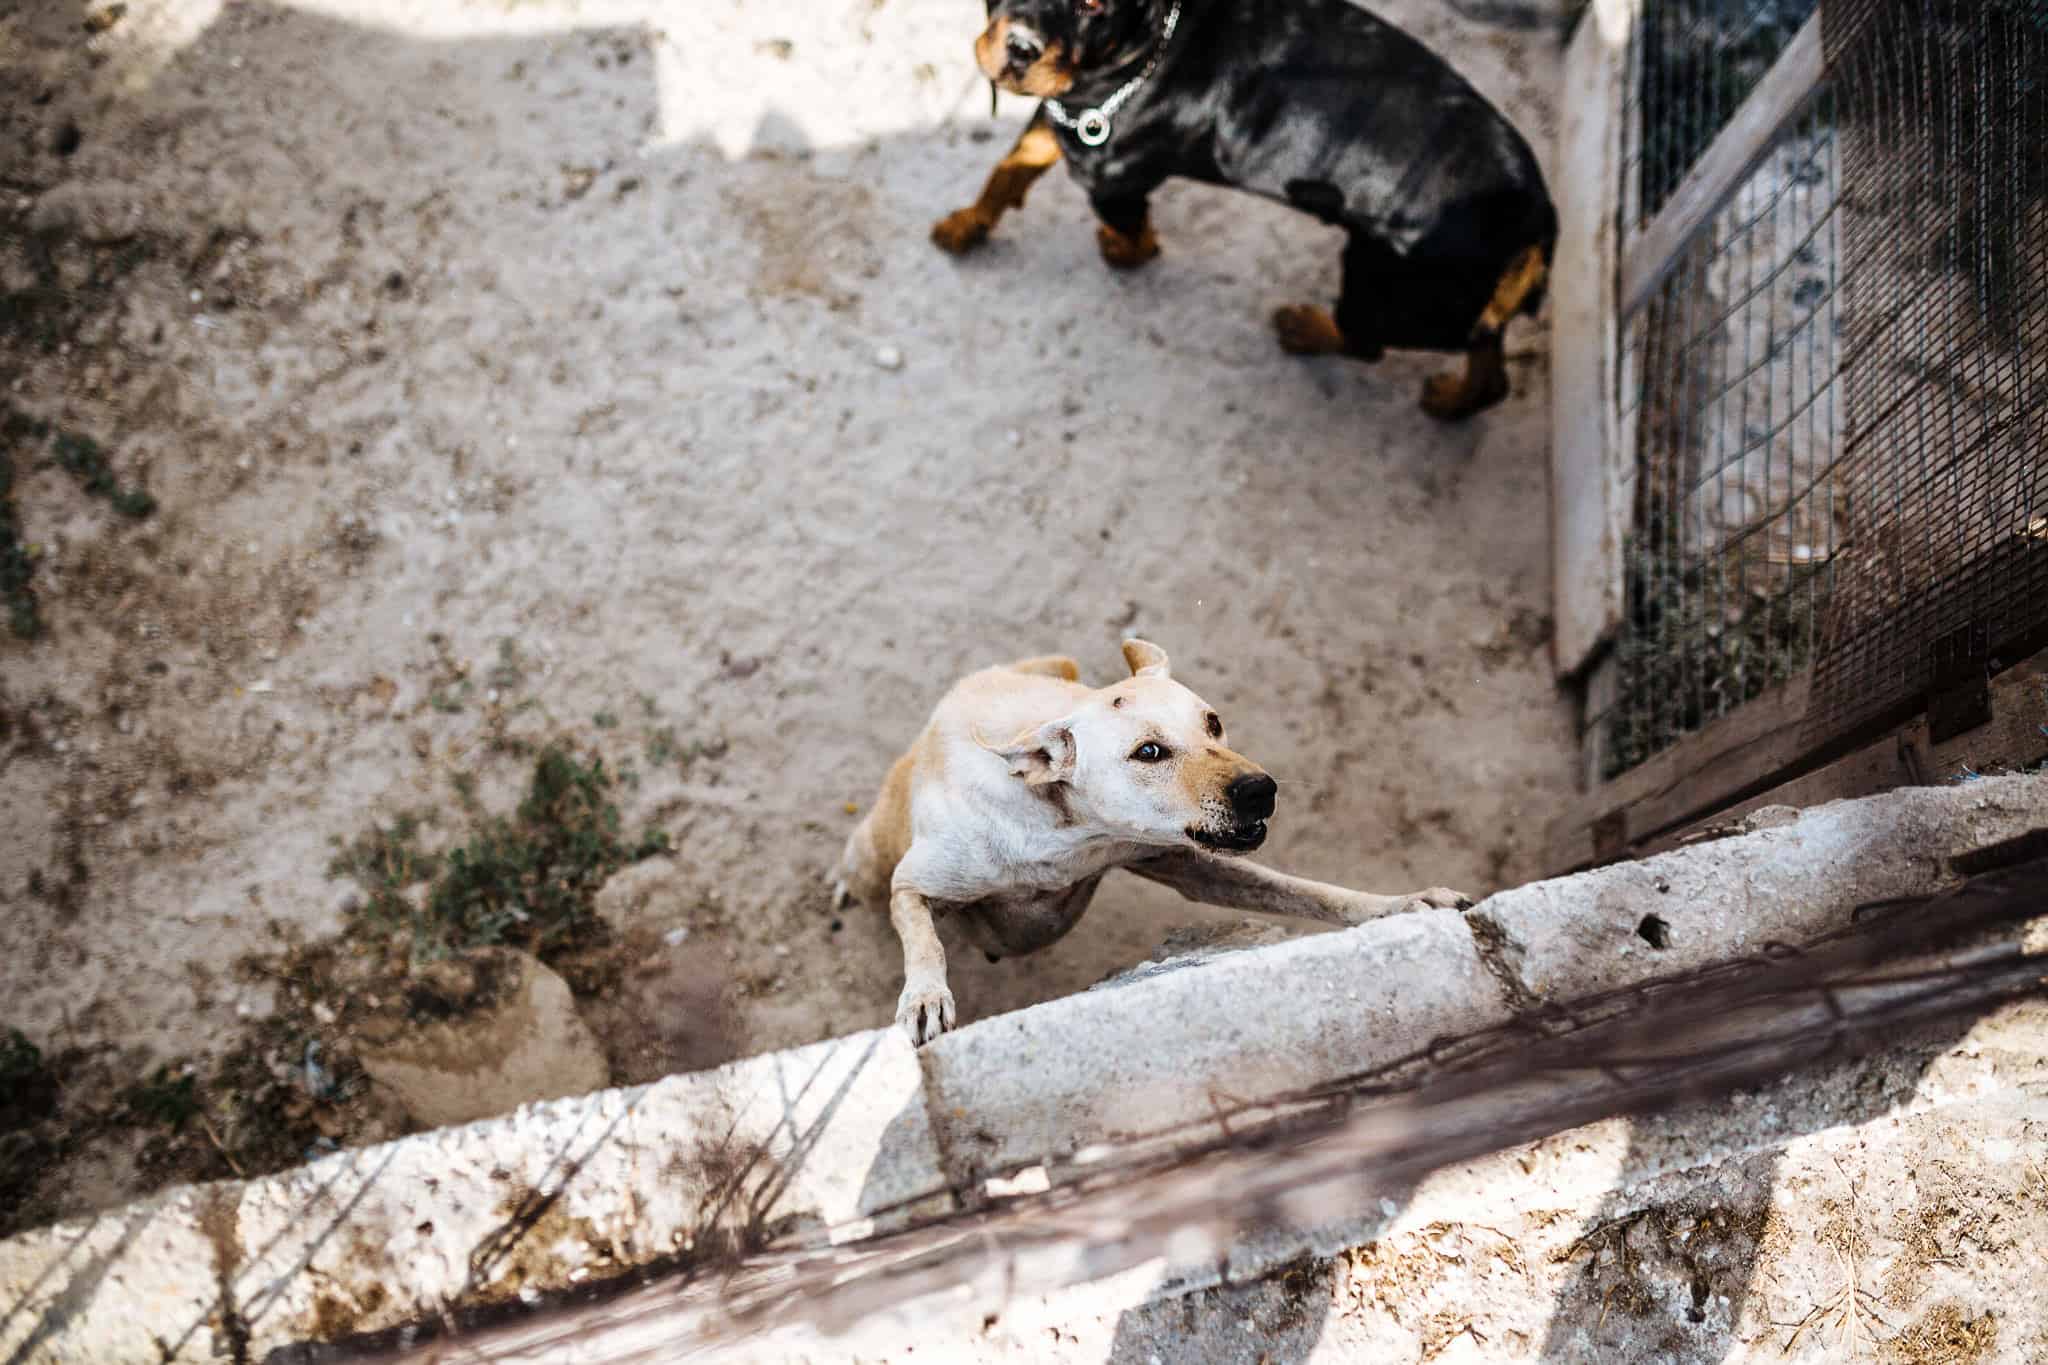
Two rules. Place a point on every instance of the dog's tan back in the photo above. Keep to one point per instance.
(1013, 694)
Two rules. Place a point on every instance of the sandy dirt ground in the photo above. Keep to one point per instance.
(531, 368)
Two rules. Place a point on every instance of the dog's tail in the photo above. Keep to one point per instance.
(846, 872)
(1520, 290)
(1050, 666)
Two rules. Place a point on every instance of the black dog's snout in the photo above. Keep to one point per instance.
(1022, 47)
(1251, 796)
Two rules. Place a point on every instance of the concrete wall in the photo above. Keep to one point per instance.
(833, 1141)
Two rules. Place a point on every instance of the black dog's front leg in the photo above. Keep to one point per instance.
(1125, 234)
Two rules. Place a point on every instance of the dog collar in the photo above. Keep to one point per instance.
(1092, 125)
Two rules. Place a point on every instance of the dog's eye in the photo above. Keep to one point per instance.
(1215, 723)
(1149, 752)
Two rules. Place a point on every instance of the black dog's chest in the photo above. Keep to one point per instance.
(1140, 153)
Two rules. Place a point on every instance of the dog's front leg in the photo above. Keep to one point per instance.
(1241, 885)
(1124, 234)
(1036, 152)
(925, 1009)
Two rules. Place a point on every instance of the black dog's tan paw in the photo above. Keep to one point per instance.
(961, 231)
(1126, 252)
(1453, 398)
(924, 1010)
(1306, 330)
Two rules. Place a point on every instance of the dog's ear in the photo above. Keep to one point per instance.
(1041, 755)
(1146, 659)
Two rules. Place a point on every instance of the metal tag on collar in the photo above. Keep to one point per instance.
(1092, 127)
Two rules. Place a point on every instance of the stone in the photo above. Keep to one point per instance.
(646, 892)
(521, 1041)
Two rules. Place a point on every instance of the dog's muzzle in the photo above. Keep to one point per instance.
(1251, 797)
(1014, 56)
(1241, 839)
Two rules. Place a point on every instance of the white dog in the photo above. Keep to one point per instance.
(1027, 786)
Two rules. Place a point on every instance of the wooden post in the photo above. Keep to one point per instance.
(1591, 466)
(1733, 156)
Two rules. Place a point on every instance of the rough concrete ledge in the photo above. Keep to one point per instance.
(1172, 1049)
(788, 1143)
(1795, 876)
(814, 1142)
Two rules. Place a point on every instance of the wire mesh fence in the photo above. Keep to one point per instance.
(1836, 394)
(1728, 387)
(1943, 118)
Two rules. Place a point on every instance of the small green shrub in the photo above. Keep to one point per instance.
(167, 1098)
(526, 879)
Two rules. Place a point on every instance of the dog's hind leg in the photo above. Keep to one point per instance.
(1353, 330)
(1035, 153)
(878, 843)
(1452, 398)
(1050, 666)
(1242, 885)
(1520, 283)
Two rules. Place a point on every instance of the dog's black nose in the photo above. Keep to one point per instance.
(1022, 47)
(1251, 796)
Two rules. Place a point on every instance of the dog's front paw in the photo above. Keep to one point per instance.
(1437, 898)
(961, 231)
(1126, 252)
(924, 1010)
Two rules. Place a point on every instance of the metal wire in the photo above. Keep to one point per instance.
(1837, 396)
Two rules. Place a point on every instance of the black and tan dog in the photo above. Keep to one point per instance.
(1312, 102)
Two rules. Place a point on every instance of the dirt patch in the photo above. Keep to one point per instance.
(336, 1315)
(1396, 1273)
(516, 379)
(806, 229)
(1945, 1334)
(284, 1091)
(28, 1097)
(1671, 1259)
